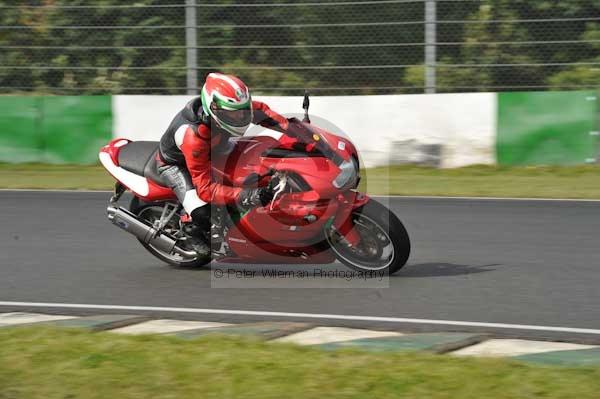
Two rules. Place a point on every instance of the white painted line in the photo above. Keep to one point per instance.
(516, 347)
(11, 319)
(574, 330)
(324, 335)
(438, 197)
(163, 326)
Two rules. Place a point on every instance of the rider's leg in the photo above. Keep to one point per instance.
(180, 181)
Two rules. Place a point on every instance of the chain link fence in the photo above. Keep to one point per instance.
(335, 47)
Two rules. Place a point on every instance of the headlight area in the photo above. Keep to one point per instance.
(348, 176)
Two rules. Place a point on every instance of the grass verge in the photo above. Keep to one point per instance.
(66, 177)
(484, 181)
(53, 363)
(487, 181)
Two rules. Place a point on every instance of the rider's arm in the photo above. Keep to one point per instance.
(196, 150)
(266, 117)
(295, 132)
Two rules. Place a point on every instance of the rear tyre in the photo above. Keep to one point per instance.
(384, 245)
(150, 212)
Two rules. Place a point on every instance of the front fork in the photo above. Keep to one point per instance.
(349, 202)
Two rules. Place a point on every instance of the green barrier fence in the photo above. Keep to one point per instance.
(547, 128)
(20, 138)
(533, 128)
(62, 130)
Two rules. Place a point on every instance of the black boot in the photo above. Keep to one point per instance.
(201, 247)
(199, 229)
(197, 239)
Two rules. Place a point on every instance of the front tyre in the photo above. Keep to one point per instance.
(384, 243)
(151, 212)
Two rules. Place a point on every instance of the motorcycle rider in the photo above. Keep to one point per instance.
(224, 109)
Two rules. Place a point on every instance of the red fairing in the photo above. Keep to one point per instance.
(113, 148)
(340, 145)
(158, 193)
(155, 191)
(266, 233)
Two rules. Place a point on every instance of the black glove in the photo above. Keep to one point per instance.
(251, 197)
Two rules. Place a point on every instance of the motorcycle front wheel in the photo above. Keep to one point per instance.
(384, 244)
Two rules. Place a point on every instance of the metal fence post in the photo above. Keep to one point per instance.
(190, 44)
(430, 46)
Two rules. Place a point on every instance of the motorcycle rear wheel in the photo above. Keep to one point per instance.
(384, 245)
(150, 212)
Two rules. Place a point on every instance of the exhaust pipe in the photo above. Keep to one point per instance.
(145, 232)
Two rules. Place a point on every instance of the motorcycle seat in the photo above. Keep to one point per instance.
(139, 157)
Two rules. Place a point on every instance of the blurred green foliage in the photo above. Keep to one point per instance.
(492, 35)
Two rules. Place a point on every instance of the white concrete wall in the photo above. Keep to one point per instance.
(464, 125)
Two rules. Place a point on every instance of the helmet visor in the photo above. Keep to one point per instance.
(237, 118)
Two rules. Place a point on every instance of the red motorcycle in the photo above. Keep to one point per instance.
(316, 215)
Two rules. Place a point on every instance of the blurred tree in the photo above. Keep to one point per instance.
(501, 35)
(584, 75)
(91, 58)
(137, 49)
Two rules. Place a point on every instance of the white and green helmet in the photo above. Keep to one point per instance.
(227, 100)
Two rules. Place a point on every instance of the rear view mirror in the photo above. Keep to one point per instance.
(305, 105)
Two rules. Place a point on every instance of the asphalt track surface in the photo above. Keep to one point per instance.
(491, 261)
